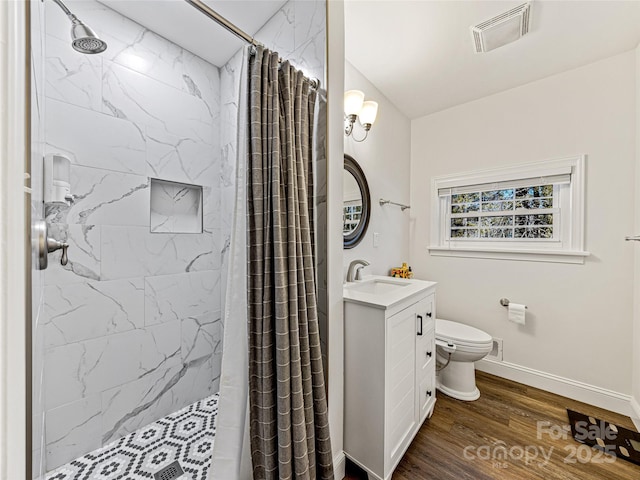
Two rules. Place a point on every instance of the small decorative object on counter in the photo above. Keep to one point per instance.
(401, 272)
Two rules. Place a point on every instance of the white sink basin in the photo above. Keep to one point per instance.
(382, 292)
(377, 286)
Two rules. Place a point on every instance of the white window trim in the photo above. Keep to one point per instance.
(573, 250)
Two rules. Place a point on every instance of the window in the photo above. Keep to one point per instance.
(526, 212)
(505, 211)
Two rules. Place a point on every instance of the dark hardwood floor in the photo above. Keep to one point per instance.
(461, 439)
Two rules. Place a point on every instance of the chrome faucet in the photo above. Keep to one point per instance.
(354, 270)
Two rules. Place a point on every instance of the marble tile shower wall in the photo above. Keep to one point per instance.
(132, 323)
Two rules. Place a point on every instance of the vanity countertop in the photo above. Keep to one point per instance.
(383, 292)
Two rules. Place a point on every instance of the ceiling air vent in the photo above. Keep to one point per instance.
(502, 29)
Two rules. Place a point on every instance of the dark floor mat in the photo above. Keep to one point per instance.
(605, 436)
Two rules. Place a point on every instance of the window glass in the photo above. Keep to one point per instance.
(506, 213)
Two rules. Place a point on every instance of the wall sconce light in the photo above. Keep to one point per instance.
(356, 107)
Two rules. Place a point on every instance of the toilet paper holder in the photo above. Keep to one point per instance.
(505, 302)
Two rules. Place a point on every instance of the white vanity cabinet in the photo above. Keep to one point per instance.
(389, 370)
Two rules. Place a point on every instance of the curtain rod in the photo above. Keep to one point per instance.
(216, 17)
(219, 19)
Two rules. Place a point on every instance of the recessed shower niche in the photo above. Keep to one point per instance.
(175, 207)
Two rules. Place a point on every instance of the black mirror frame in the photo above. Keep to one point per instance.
(355, 237)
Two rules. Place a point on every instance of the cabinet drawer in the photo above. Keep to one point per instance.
(426, 396)
(425, 315)
(426, 350)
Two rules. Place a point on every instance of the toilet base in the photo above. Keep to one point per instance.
(465, 396)
(458, 380)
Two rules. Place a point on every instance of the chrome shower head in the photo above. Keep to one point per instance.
(83, 38)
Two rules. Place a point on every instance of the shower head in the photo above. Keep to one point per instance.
(83, 38)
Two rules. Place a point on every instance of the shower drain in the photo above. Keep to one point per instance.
(170, 472)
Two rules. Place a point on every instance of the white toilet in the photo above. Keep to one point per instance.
(466, 345)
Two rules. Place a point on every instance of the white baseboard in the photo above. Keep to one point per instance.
(340, 466)
(635, 416)
(582, 392)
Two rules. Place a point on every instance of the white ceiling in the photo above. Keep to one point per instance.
(419, 53)
(181, 23)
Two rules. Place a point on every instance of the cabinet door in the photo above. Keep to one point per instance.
(400, 382)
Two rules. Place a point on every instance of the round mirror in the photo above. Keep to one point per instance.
(356, 206)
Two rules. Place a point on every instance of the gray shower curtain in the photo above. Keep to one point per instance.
(289, 424)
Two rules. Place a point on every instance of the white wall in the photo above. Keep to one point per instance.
(579, 320)
(635, 393)
(384, 157)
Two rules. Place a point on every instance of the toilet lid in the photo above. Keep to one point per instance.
(460, 333)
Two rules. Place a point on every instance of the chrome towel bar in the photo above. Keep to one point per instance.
(402, 206)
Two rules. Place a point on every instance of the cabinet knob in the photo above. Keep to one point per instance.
(429, 314)
(429, 354)
(428, 393)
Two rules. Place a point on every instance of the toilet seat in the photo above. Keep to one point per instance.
(462, 335)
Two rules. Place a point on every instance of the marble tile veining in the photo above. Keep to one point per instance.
(72, 77)
(176, 297)
(201, 336)
(211, 215)
(278, 34)
(84, 254)
(310, 38)
(77, 370)
(91, 309)
(182, 158)
(128, 407)
(104, 197)
(73, 429)
(145, 52)
(130, 95)
(94, 139)
(135, 251)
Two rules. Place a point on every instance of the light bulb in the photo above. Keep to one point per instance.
(368, 113)
(353, 100)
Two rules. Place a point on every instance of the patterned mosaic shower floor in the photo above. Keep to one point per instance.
(186, 435)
